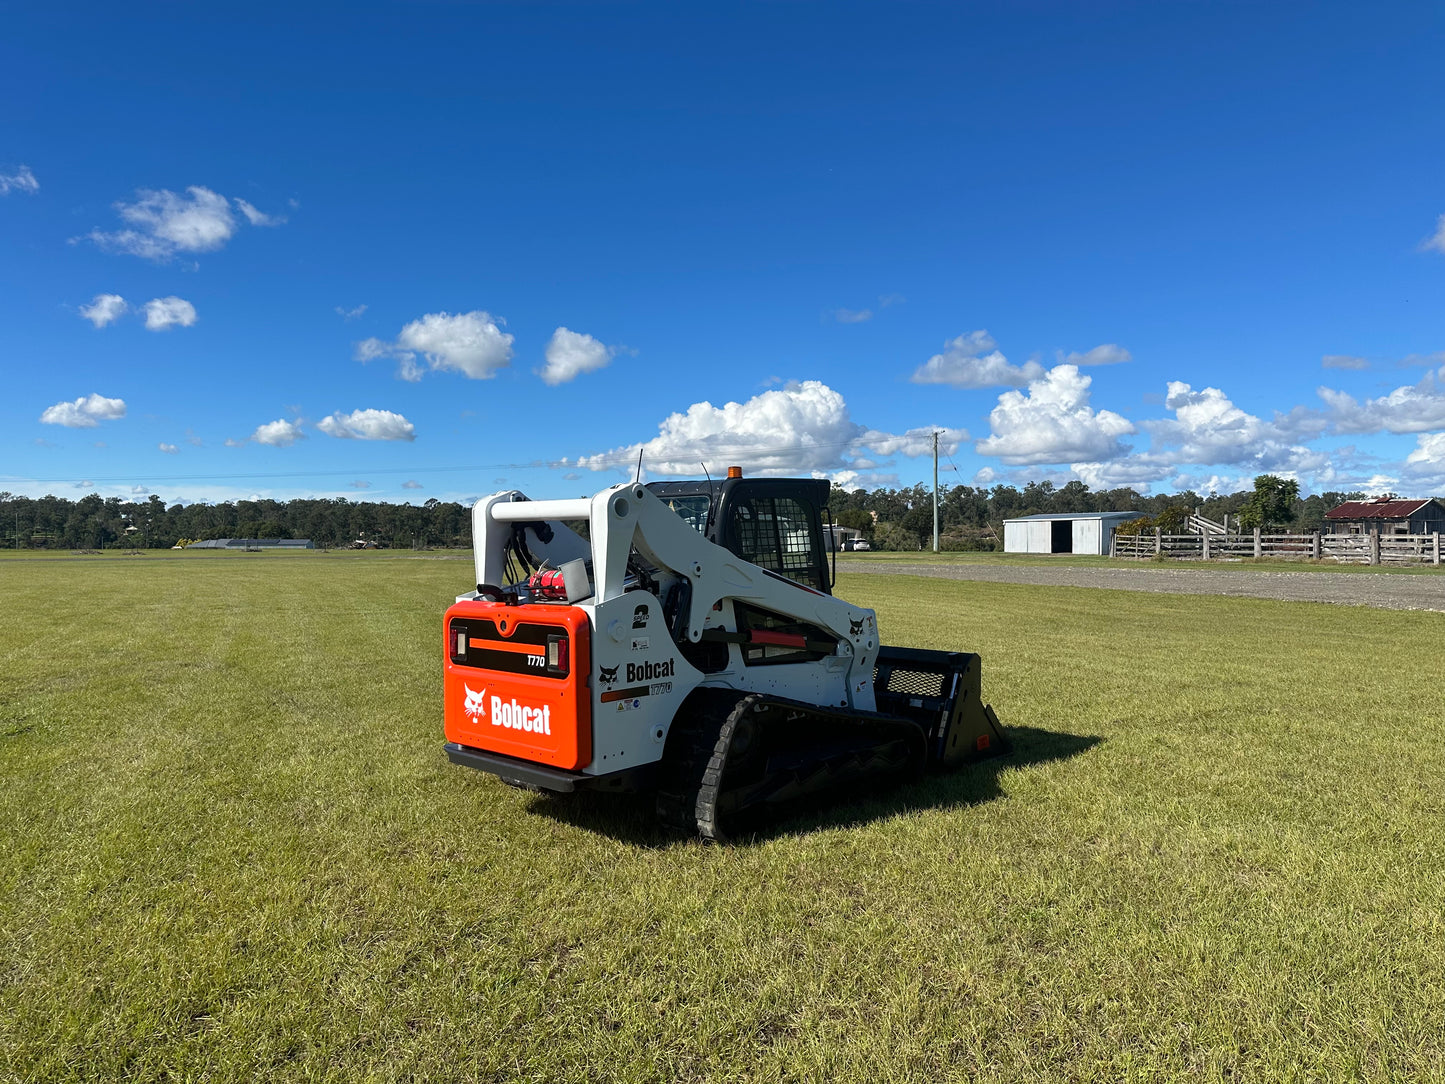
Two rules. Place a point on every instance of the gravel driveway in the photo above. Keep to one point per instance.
(1383, 591)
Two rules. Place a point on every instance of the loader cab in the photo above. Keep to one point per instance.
(776, 523)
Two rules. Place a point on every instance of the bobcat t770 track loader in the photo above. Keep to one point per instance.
(682, 637)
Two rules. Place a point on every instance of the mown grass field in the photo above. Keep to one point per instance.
(233, 849)
(1082, 560)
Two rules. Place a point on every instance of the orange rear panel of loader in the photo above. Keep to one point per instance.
(517, 681)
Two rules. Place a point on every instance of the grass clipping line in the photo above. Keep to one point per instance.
(234, 849)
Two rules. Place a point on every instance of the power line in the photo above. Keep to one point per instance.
(603, 461)
(304, 474)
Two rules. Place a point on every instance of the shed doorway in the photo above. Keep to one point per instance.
(1063, 536)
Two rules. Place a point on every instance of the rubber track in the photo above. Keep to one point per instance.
(705, 807)
(701, 741)
(691, 744)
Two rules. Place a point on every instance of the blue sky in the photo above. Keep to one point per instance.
(436, 249)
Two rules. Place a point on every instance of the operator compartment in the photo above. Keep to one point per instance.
(516, 681)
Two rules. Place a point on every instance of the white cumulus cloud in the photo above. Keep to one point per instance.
(571, 353)
(22, 180)
(915, 442)
(1212, 483)
(161, 223)
(368, 425)
(167, 312)
(1429, 449)
(373, 348)
(1436, 241)
(974, 361)
(1425, 466)
(278, 434)
(104, 309)
(1208, 428)
(350, 314)
(1134, 471)
(1414, 408)
(802, 428)
(169, 449)
(470, 343)
(84, 413)
(1053, 423)
(1344, 361)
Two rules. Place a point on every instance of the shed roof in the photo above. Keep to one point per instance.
(1075, 515)
(1379, 508)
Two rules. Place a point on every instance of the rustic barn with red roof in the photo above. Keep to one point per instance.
(1387, 515)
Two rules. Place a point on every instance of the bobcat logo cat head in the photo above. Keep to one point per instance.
(476, 703)
(855, 628)
(608, 675)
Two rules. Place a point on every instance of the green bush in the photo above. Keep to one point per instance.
(891, 536)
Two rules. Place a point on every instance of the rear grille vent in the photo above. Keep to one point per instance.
(910, 682)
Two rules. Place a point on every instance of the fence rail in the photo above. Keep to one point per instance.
(1202, 525)
(1359, 549)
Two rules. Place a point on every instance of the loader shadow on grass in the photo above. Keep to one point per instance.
(630, 819)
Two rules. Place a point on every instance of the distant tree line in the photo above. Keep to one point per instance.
(970, 517)
(94, 522)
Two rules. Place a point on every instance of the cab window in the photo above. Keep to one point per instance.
(693, 511)
(777, 533)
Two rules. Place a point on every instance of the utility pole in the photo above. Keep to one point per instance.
(935, 491)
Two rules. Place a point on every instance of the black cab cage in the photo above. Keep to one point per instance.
(776, 523)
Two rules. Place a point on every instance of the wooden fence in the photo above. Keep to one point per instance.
(1358, 549)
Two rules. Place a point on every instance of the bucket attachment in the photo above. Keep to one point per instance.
(940, 690)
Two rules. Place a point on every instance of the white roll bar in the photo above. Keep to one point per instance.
(528, 511)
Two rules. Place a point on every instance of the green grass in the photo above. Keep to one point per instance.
(1082, 560)
(119, 553)
(906, 557)
(233, 849)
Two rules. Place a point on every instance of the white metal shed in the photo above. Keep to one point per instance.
(1067, 532)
